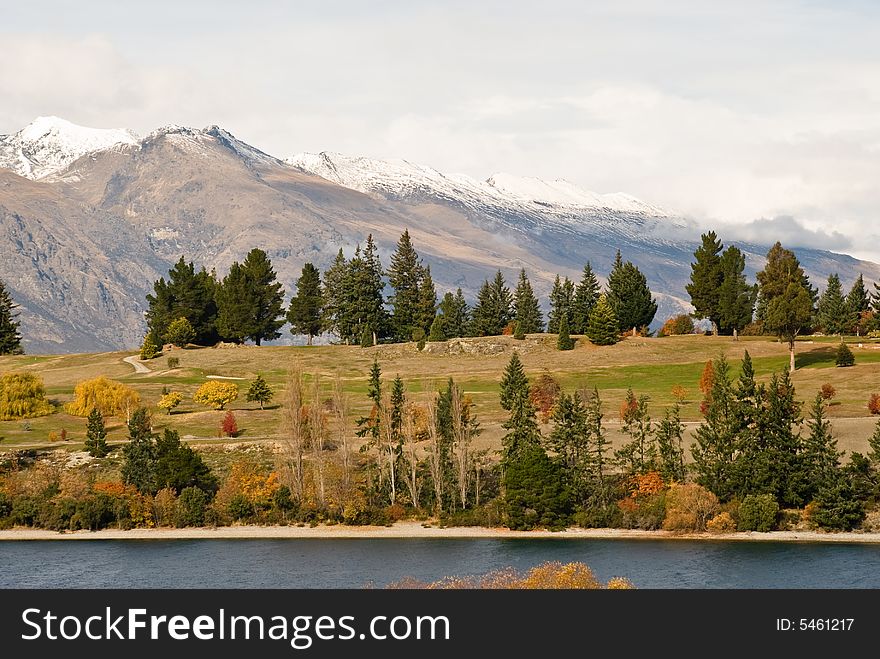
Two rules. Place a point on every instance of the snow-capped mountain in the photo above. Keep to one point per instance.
(48, 145)
(401, 179)
(90, 218)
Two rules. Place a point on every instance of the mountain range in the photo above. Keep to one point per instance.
(89, 218)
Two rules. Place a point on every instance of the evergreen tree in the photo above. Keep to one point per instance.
(426, 310)
(96, 435)
(875, 298)
(786, 477)
(404, 275)
(177, 466)
(832, 313)
(844, 356)
(493, 310)
(706, 278)
(518, 334)
(534, 492)
(514, 382)
(10, 337)
(564, 340)
(857, 302)
(603, 328)
(260, 391)
(819, 455)
(788, 315)
(569, 441)
(521, 425)
(189, 294)
(669, 435)
(371, 287)
(369, 425)
(180, 333)
(782, 268)
(526, 308)
(629, 296)
(714, 450)
(436, 333)
(139, 455)
(874, 445)
(585, 297)
(251, 300)
(332, 295)
(455, 315)
(561, 304)
(362, 307)
(639, 455)
(598, 442)
(736, 299)
(304, 313)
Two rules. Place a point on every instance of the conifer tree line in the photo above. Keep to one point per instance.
(349, 300)
(753, 449)
(782, 302)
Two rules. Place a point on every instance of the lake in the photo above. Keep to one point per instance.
(356, 563)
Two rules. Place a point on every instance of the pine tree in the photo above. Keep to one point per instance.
(603, 328)
(362, 309)
(334, 280)
(371, 291)
(669, 435)
(874, 444)
(426, 309)
(564, 340)
(436, 333)
(10, 337)
(260, 391)
(585, 297)
(404, 275)
(493, 310)
(714, 450)
(736, 299)
(832, 313)
(304, 313)
(569, 441)
(639, 455)
(514, 382)
(819, 454)
(189, 294)
(782, 268)
(139, 454)
(786, 477)
(844, 356)
(96, 436)
(251, 301)
(455, 315)
(788, 315)
(875, 298)
(629, 296)
(561, 304)
(857, 302)
(526, 308)
(706, 278)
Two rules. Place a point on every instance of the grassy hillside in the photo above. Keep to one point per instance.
(651, 366)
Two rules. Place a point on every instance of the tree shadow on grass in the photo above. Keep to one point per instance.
(825, 355)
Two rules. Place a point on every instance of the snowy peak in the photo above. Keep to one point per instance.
(403, 179)
(48, 145)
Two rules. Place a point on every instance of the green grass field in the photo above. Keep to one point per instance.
(651, 366)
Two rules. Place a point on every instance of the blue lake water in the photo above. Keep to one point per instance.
(356, 563)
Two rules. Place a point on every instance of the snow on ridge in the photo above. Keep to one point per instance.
(404, 178)
(48, 145)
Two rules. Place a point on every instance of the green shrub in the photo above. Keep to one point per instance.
(191, 506)
(240, 507)
(758, 512)
(94, 512)
(282, 499)
(24, 511)
(173, 362)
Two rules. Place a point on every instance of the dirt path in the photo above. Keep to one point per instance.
(136, 362)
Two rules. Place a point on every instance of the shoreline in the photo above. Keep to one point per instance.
(415, 530)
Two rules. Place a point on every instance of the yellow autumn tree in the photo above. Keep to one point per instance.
(170, 400)
(216, 394)
(22, 396)
(109, 397)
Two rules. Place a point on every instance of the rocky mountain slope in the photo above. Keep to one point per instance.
(89, 219)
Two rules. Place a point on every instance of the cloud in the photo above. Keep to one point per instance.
(787, 230)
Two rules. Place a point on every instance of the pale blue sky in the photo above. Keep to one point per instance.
(729, 112)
